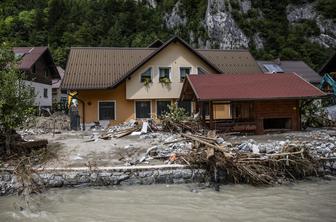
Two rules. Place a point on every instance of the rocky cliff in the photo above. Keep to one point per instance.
(224, 32)
(269, 28)
(286, 29)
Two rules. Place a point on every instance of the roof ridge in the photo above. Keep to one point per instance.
(121, 48)
(225, 50)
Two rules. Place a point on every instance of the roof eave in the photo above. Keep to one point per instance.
(264, 99)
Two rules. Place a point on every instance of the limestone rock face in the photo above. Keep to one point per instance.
(217, 28)
(176, 17)
(221, 27)
(245, 6)
(327, 37)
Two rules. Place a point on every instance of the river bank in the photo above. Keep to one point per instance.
(309, 200)
(85, 159)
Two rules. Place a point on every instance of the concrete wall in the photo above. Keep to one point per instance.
(174, 56)
(40, 100)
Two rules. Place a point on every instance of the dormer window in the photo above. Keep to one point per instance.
(184, 71)
(164, 74)
(147, 75)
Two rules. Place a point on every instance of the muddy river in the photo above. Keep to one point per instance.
(304, 201)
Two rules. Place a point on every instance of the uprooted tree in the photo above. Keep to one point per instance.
(16, 98)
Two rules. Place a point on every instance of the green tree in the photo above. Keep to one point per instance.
(16, 99)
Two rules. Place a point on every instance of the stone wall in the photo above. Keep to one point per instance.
(105, 177)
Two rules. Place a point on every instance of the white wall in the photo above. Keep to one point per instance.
(174, 56)
(40, 100)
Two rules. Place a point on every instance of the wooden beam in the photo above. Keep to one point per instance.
(211, 114)
(201, 108)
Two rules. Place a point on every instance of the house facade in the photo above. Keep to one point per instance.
(258, 102)
(39, 69)
(118, 84)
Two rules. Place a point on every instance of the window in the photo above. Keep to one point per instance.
(106, 110)
(186, 105)
(45, 93)
(34, 69)
(221, 111)
(146, 76)
(162, 107)
(164, 73)
(273, 68)
(184, 71)
(201, 71)
(142, 109)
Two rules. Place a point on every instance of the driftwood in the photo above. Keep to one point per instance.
(252, 168)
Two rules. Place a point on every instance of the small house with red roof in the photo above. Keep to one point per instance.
(39, 68)
(254, 102)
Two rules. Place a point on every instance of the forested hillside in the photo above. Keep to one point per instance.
(289, 29)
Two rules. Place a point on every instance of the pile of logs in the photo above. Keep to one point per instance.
(293, 162)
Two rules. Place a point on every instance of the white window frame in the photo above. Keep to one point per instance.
(170, 72)
(179, 68)
(45, 95)
(144, 70)
(143, 100)
(115, 108)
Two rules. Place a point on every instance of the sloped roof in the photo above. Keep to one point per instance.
(94, 68)
(29, 56)
(56, 83)
(250, 87)
(298, 67)
(231, 61)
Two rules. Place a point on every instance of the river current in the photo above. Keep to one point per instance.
(303, 201)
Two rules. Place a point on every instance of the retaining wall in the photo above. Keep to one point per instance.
(105, 176)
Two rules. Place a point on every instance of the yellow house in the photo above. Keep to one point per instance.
(118, 84)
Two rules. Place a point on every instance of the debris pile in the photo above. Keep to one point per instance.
(250, 163)
(55, 123)
(177, 120)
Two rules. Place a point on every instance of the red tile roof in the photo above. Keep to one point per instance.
(251, 87)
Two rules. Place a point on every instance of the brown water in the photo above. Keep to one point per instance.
(305, 201)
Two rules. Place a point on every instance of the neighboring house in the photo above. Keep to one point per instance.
(39, 68)
(118, 84)
(256, 102)
(298, 67)
(59, 96)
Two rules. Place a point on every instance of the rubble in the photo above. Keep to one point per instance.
(57, 122)
(248, 159)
